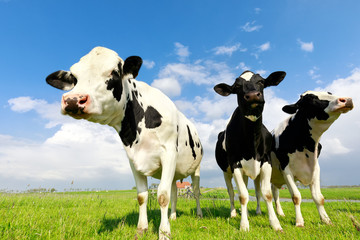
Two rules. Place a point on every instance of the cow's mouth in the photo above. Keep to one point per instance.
(76, 114)
(344, 109)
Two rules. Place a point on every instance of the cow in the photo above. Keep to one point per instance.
(158, 139)
(297, 147)
(243, 149)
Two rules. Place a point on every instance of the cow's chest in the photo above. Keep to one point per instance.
(145, 154)
(302, 165)
(251, 167)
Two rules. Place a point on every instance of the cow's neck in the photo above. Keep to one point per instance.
(318, 127)
(133, 113)
(244, 128)
(314, 127)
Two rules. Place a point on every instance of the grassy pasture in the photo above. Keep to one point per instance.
(114, 214)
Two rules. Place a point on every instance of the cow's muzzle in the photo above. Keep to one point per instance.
(344, 104)
(75, 104)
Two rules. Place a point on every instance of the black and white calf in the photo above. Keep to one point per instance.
(243, 149)
(296, 147)
(159, 140)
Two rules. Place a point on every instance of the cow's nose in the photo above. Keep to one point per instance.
(75, 103)
(253, 96)
(347, 102)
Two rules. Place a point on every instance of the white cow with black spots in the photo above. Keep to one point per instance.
(297, 147)
(159, 140)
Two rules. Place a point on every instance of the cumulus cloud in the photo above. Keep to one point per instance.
(198, 73)
(181, 51)
(306, 46)
(313, 73)
(338, 141)
(251, 27)
(170, 86)
(264, 47)
(49, 112)
(228, 50)
(79, 150)
(242, 66)
(148, 64)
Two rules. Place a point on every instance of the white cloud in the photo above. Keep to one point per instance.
(313, 73)
(251, 27)
(24, 104)
(79, 150)
(148, 64)
(181, 51)
(242, 66)
(169, 86)
(339, 139)
(50, 112)
(198, 73)
(228, 50)
(306, 46)
(257, 10)
(264, 47)
(262, 72)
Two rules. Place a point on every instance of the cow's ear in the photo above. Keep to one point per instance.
(223, 89)
(291, 109)
(63, 80)
(132, 65)
(274, 78)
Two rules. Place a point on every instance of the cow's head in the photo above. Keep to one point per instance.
(249, 89)
(320, 105)
(96, 84)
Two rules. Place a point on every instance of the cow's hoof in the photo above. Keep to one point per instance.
(173, 217)
(244, 226)
(233, 213)
(140, 232)
(327, 221)
(164, 235)
(299, 224)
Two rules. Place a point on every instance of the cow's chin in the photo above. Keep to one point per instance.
(343, 109)
(255, 109)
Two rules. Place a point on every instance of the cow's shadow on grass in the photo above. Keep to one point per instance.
(109, 224)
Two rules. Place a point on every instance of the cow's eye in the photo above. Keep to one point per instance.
(107, 82)
(261, 82)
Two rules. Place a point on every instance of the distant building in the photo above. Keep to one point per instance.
(183, 187)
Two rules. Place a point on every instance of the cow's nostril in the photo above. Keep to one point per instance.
(83, 100)
(343, 100)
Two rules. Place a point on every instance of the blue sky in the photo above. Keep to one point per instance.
(187, 48)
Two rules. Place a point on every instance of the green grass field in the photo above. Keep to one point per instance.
(114, 214)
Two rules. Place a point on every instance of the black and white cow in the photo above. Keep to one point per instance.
(159, 140)
(243, 149)
(296, 147)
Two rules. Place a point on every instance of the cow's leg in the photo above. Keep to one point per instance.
(243, 197)
(318, 197)
(168, 163)
(230, 189)
(275, 192)
(142, 197)
(195, 178)
(258, 194)
(295, 194)
(173, 200)
(265, 176)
